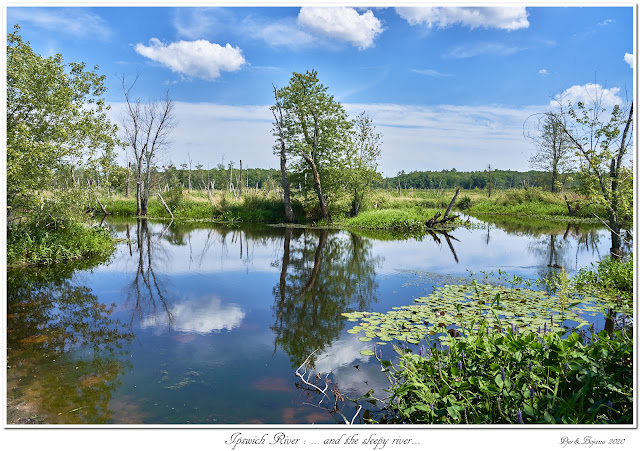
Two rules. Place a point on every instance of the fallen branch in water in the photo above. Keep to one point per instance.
(306, 376)
(435, 221)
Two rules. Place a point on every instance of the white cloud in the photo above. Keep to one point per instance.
(481, 48)
(607, 97)
(606, 22)
(279, 33)
(341, 23)
(201, 316)
(543, 72)
(72, 21)
(503, 18)
(430, 73)
(201, 59)
(195, 23)
(628, 58)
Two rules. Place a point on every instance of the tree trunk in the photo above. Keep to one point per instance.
(286, 185)
(126, 193)
(240, 183)
(616, 242)
(324, 208)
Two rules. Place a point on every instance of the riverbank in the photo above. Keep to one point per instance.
(262, 206)
(388, 211)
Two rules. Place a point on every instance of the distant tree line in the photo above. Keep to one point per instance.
(451, 178)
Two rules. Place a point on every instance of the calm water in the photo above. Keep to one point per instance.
(207, 324)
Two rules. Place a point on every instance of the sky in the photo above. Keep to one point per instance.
(447, 87)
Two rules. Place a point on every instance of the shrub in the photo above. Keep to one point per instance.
(464, 203)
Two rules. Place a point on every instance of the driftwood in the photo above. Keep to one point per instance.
(574, 205)
(436, 221)
(104, 210)
(165, 205)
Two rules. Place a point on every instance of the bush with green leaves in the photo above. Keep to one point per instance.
(488, 377)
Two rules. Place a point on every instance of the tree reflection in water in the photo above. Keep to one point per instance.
(64, 351)
(146, 293)
(323, 274)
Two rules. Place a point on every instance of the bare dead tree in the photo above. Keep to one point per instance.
(146, 128)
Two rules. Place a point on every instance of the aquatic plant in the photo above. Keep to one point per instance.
(506, 378)
(450, 308)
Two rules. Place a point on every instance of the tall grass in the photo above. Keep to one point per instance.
(396, 219)
(255, 206)
(28, 243)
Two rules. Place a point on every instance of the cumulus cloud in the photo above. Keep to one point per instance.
(588, 93)
(341, 23)
(543, 72)
(628, 58)
(72, 21)
(503, 18)
(200, 316)
(201, 58)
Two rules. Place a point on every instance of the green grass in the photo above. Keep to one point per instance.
(253, 206)
(382, 209)
(32, 245)
(402, 220)
(529, 202)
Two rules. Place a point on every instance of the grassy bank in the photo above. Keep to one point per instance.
(33, 245)
(254, 206)
(382, 209)
(409, 219)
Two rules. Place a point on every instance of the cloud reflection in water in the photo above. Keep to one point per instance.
(201, 315)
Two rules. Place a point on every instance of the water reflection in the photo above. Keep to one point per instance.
(197, 315)
(146, 294)
(222, 315)
(65, 352)
(322, 274)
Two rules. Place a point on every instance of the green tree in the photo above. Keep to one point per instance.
(362, 160)
(316, 131)
(55, 117)
(553, 151)
(602, 141)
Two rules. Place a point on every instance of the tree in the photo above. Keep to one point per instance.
(146, 129)
(362, 160)
(602, 143)
(55, 117)
(281, 149)
(553, 150)
(316, 129)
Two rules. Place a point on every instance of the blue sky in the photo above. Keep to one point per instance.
(447, 87)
